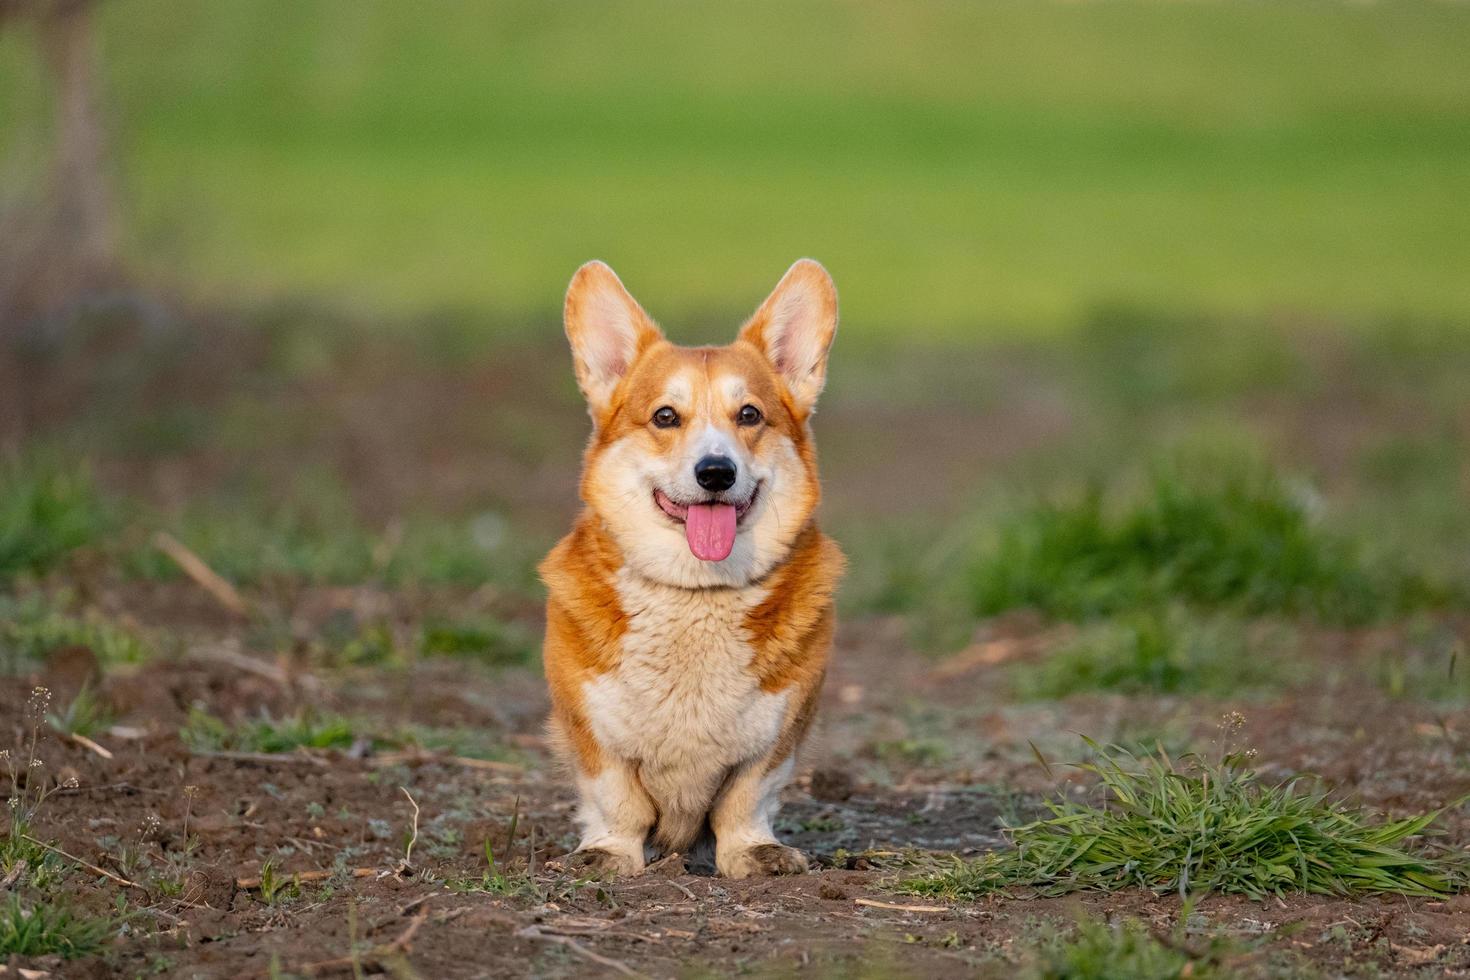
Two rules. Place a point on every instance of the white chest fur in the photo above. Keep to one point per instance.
(683, 703)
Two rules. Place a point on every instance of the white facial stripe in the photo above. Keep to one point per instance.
(712, 441)
(734, 389)
(679, 393)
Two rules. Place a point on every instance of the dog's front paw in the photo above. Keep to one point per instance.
(599, 862)
(762, 859)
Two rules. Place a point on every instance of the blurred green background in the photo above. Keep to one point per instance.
(1205, 266)
(963, 168)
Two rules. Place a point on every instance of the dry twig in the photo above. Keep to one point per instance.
(86, 864)
(87, 743)
(247, 884)
(265, 758)
(14, 876)
(414, 836)
(420, 756)
(873, 903)
(537, 933)
(374, 957)
(205, 577)
(221, 653)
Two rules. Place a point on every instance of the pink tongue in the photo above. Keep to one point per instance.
(710, 530)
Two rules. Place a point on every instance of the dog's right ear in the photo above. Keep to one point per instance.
(607, 330)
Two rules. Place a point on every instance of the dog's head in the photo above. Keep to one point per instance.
(701, 463)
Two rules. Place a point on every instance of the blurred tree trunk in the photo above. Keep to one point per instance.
(65, 242)
(83, 209)
(59, 245)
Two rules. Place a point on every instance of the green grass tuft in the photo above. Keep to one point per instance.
(1196, 826)
(1159, 652)
(15, 848)
(203, 732)
(489, 640)
(1241, 539)
(249, 543)
(87, 713)
(316, 537)
(496, 880)
(1108, 951)
(275, 889)
(31, 627)
(44, 929)
(470, 742)
(46, 511)
(1428, 663)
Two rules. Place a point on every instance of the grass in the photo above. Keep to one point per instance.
(1232, 536)
(31, 627)
(307, 729)
(308, 531)
(47, 511)
(39, 866)
(1126, 948)
(1193, 826)
(203, 732)
(1161, 652)
(275, 889)
(316, 542)
(483, 638)
(496, 880)
(372, 644)
(473, 743)
(1428, 663)
(50, 928)
(1007, 164)
(903, 567)
(87, 713)
(314, 536)
(1140, 359)
(910, 752)
(480, 638)
(1413, 489)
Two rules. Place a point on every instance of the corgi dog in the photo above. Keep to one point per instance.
(690, 610)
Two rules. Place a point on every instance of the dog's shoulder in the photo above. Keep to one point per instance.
(581, 575)
(792, 626)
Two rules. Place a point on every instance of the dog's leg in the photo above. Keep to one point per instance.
(615, 816)
(614, 811)
(745, 843)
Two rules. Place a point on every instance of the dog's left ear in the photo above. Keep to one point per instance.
(794, 328)
(607, 330)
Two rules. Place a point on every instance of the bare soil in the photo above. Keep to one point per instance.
(341, 819)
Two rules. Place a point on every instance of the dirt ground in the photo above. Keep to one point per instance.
(915, 754)
(340, 819)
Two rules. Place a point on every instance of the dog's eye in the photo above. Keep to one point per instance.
(749, 415)
(666, 418)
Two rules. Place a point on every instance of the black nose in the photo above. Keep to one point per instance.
(715, 473)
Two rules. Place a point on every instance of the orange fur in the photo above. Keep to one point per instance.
(584, 623)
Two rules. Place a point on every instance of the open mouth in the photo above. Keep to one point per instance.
(709, 526)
